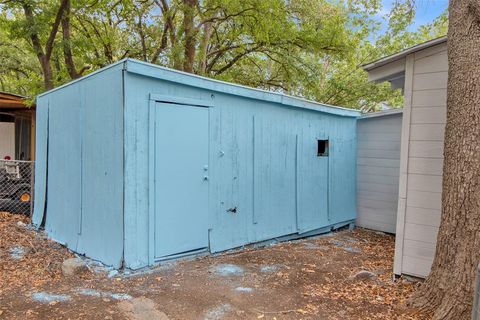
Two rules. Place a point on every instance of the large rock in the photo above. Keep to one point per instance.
(74, 266)
(364, 275)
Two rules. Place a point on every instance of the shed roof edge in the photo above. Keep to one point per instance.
(159, 72)
(401, 54)
(383, 113)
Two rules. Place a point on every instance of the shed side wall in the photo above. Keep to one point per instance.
(81, 158)
(378, 168)
(423, 173)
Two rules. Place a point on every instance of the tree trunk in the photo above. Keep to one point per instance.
(47, 73)
(43, 56)
(203, 48)
(448, 290)
(189, 29)
(67, 46)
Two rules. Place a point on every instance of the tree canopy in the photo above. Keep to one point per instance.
(309, 48)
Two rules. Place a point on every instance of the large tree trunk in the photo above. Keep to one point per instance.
(448, 290)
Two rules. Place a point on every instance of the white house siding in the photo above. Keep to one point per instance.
(7, 139)
(378, 162)
(421, 161)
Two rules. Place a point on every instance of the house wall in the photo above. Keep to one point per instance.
(420, 187)
(7, 139)
(79, 165)
(378, 168)
(267, 168)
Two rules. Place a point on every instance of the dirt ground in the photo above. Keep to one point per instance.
(304, 279)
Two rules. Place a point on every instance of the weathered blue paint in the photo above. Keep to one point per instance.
(180, 203)
(81, 171)
(119, 184)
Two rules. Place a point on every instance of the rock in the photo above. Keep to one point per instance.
(18, 252)
(21, 224)
(50, 298)
(113, 273)
(74, 266)
(411, 279)
(364, 275)
(141, 309)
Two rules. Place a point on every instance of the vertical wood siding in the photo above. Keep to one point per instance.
(94, 163)
(263, 161)
(79, 166)
(378, 159)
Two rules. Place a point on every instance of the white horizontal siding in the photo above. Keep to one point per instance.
(423, 216)
(426, 149)
(419, 249)
(429, 115)
(427, 131)
(433, 63)
(429, 98)
(423, 182)
(431, 51)
(370, 195)
(425, 165)
(374, 136)
(376, 178)
(419, 232)
(423, 187)
(388, 163)
(429, 81)
(417, 266)
(422, 199)
(382, 170)
(378, 160)
(376, 223)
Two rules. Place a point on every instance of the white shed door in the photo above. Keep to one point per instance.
(7, 140)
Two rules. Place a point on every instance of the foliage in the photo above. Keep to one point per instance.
(311, 48)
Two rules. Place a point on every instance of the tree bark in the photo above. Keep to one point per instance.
(203, 48)
(67, 46)
(448, 290)
(44, 56)
(189, 30)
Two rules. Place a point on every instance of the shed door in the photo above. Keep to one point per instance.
(181, 179)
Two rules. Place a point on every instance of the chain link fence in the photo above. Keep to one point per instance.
(16, 186)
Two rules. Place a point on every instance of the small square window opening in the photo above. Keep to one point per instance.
(322, 148)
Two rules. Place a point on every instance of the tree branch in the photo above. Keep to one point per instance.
(54, 30)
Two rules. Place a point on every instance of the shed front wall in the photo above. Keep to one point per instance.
(424, 118)
(262, 161)
(378, 169)
(79, 166)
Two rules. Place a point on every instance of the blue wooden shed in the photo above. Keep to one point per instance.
(138, 163)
